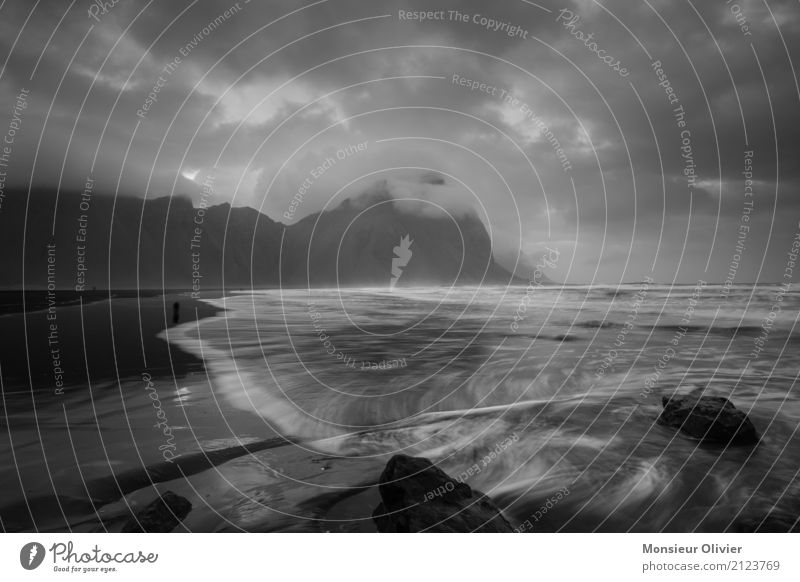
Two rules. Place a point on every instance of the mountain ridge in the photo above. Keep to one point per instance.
(167, 242)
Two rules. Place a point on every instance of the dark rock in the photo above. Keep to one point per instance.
(417, 496)
(711, 419)
(771, 523)
(161, 516)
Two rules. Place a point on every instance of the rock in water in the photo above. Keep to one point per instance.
(161, 516)
(417, 496)
(712, 419)
(771, 523)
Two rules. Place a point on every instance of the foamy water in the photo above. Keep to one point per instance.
(527, 392)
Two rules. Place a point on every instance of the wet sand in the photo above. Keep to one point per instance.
(110, 338)
(76, 409)
(146, 420)
(89, 458)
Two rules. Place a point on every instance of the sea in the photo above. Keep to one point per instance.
(546, 399)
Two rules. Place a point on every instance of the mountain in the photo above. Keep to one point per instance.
(354, 244)
(132, 243)
(99, 241)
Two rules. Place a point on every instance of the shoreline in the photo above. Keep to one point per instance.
(70, 346)
(90, 459)
(35, 300)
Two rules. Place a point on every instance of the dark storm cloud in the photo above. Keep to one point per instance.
(252, 97)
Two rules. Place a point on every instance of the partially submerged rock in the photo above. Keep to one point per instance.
(161, 516)
(770, 523)
(711, 419)
(417, 496)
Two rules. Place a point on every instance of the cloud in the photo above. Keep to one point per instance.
(561, 148)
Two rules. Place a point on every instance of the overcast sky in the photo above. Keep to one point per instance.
(261, 95)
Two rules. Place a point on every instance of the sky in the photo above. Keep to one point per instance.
(636, 139)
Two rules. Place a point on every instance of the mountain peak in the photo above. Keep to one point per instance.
(377, 193)
(361, 241)
(156, 243)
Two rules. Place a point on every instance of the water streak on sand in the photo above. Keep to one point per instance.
(469, 382)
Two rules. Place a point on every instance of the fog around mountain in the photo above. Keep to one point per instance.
(170, 243)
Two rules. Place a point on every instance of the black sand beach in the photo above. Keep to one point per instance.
(145, 421)
(301, 454)
(75, 401)
(113, 338)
